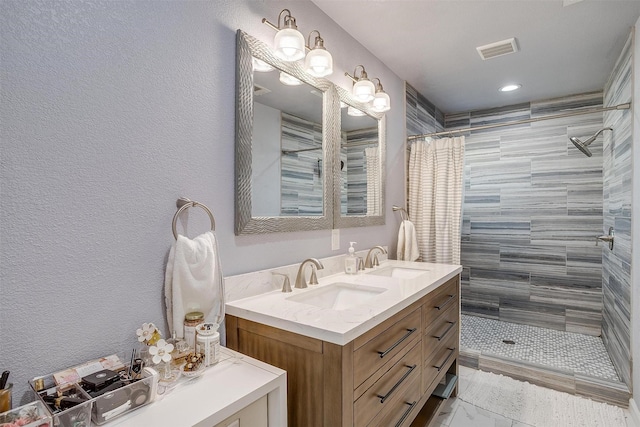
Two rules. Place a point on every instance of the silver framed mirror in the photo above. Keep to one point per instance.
(360, 161)
(284, 143)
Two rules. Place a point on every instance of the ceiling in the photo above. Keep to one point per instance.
(565, 47)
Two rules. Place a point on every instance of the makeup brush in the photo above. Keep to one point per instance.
(3, 379)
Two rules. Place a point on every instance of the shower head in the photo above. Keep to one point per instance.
(584, 145)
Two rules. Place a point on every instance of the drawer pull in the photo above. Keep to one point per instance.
(444, 334)
(396, 385)
(406, 413)
(397, 343)
(444, 304)
(452, 351)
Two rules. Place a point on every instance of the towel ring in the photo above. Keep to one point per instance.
(183, 203)
(403, 212)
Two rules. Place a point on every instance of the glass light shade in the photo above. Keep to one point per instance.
(352, 111)
(289, 45)
(364, 90)
(288, 79)
(319, 63)
(381, 102)
(260, 65)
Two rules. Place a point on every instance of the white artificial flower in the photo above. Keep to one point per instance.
(161, 352)
(145, 334)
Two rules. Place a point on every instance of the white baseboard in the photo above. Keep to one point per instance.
(635, 414)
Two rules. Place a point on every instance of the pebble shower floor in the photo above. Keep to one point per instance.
(578, 353)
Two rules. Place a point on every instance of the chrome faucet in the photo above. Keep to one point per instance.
(286, 284)
(301, 282)
(372, 261)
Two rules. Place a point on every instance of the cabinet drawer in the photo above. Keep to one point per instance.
(442, 299)
(386, 390)
(444, 327)
(401, 410)
(394, 340)
(437, 365)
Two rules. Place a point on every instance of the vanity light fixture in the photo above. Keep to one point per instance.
(510, 88)
(363, 88)
(288, 44)
(261, 66)
(288, 79)
(318, 62)
(381, 101)
(352, 111)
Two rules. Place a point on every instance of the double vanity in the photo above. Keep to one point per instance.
(359, 350)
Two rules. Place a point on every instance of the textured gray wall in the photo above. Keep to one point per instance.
(111, 111)
(618, 173)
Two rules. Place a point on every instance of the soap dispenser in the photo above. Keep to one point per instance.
(351, 261)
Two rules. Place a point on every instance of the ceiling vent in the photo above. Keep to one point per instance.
(260, 90)
(496, 49)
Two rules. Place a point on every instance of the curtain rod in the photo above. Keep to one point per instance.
(358, 143)
(301, 150)
(519, 122)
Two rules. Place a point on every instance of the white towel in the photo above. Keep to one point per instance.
(407, 242)
(193, 281)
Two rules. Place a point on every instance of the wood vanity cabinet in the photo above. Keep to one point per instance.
(384, 377)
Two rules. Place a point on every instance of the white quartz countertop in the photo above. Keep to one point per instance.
(340, 326)
(224, 389)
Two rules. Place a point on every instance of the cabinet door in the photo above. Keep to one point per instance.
(254, 415)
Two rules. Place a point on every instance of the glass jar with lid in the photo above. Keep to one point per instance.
(191, 320)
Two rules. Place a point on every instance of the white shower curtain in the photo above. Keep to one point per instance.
(435, 197)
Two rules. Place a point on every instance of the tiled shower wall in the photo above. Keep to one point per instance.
(421, 115)
(301, 178)
(532, 208)
(353, 182)
(616, 264)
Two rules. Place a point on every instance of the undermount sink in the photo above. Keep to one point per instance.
(398, 272)
(337, 296)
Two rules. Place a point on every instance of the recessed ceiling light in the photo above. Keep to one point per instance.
(509, 88)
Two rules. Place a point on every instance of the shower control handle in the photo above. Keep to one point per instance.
(607, 238)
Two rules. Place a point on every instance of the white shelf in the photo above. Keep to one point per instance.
(224, 389)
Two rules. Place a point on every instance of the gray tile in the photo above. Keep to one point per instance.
(569, 231)
(618, 169)
(584, 322)
(482, 202)
(530, 202)
(566, 104)
(535, 259)
(603, 390)
(512, 173)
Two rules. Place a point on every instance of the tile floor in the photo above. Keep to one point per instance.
(577, 353)
(457, 413)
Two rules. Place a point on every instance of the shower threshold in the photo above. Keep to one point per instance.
(564, 361)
